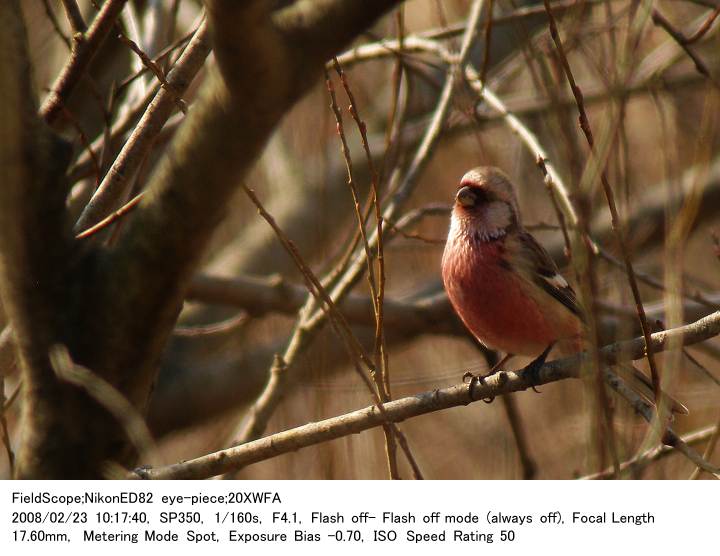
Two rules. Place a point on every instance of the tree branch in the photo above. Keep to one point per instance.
(427, 314)
(85, 46)
(112, 189)
(38, 262)
(132, 293)
(638, 462)
(260, 296)
(262, 73)
(399, 410)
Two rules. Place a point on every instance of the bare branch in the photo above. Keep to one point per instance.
(56, 24)
(107, 396)
(617, 226)
(77, 23)
(111, 190)
(661, 21)
(427, 402)
(85, 46)
(112, 218)
(655, 454)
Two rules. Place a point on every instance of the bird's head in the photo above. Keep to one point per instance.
(485, 204)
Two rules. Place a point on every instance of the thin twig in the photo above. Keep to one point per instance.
(615, 219)
(376, 290)
(654, 282)
(419, 237)
(551, 188)
(488, 39)
(162, 57)
(127, 208)
(56, 24)
(355, 197)
(83, 140)
(709, 449)
(77, 23)
(661, 21)
(85, 47)
(157, 71)
(654, 454)
(381, 355)
(222, 327)
(14, 396)
(704, 27)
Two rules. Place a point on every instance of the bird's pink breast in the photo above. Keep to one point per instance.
(497, 306)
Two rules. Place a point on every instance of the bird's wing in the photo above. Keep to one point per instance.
(545, 274)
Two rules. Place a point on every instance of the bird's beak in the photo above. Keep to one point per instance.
(465, 197)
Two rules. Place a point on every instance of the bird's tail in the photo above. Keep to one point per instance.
(643, 386)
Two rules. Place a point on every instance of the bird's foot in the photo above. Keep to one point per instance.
(532, 371)
(470, 379)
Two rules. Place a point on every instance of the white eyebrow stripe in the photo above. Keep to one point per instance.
(556, 281)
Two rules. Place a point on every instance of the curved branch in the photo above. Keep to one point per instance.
(462, 394)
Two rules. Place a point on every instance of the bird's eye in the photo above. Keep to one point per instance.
(465, 197)
(471, 196)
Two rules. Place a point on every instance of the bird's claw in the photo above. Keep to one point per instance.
(470, 379)
(532, 371)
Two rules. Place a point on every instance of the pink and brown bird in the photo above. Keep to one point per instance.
(501, 282)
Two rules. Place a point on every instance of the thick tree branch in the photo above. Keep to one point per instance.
(262, 73)
(36, 258)
(111, 191)
(260, 296)
(427, 402)
(429, 314)
(132, 293)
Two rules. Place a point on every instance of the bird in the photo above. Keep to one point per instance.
(501, 282)
(504, 285)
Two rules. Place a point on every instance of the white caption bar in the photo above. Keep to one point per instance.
(323, 517)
